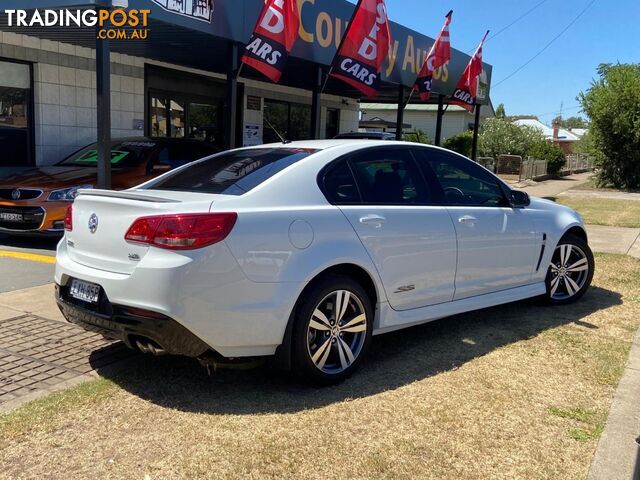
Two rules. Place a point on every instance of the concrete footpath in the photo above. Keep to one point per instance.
(618, 453)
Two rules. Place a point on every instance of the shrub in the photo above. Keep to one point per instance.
(461, 143)
(553, 154)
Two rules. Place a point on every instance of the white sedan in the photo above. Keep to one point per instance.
(305, 250)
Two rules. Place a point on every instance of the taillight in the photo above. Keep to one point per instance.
(68, 219)
(186, 231)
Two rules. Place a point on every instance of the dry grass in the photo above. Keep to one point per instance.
(519, 391)
(604, 211)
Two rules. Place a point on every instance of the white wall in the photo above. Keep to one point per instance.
(453, 122)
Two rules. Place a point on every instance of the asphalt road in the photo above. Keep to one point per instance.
(25, 262)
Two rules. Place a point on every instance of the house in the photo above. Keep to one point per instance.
(564, 138)
(423, 117)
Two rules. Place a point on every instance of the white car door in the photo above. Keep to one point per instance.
(497, 245)
(411, 242)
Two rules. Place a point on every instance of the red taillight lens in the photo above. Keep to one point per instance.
(183, 231)
(68, 219)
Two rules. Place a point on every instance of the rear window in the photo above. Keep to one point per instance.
(232, 173)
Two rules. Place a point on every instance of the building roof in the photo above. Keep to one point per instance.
(563, 135)
(580, 132)
(486, 112)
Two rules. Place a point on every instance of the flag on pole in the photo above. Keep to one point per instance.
(466, 91)
(439, 54)
(273, 38)
(364, 47)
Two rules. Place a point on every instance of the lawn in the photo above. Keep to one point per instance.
(604, 211)
(518, 391)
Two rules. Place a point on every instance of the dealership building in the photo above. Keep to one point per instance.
(61, 87)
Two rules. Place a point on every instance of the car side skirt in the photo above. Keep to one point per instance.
(391, 320)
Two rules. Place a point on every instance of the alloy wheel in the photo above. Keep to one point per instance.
(569, 270)
(337, 331)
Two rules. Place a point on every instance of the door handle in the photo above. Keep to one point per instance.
(375, 220)
(468, 220)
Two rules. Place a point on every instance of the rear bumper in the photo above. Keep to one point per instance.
(204, 291)
(120, 323)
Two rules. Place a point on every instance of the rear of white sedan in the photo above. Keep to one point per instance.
(153, 267)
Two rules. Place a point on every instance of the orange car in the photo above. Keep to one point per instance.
(35, 201)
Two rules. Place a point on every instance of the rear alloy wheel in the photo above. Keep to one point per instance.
(570, 271)
(333, 330)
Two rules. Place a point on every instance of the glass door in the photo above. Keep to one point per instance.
(15, 114)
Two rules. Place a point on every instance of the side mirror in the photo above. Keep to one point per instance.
(519, 199)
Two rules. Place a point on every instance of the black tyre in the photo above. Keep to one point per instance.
(570, 271)
(332, 330)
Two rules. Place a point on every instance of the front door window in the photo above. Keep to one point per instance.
(15, 98)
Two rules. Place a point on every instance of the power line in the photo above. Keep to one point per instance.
(512, 23)
(559, 111)
(584, 10)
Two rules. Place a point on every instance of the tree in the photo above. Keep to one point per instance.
(461, 143)
(613, 106)
(553, 154)
(500, 137)
(500, 111)
(571, 122)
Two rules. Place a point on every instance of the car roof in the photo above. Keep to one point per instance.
(337, 142)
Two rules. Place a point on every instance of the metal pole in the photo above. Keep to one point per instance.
(103, 95)
(232, 98)
(476, 127)
(400, 117)
(316, 104)
(438, 138)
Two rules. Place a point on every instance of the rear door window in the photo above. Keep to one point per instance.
(389, 176)
(232, 173)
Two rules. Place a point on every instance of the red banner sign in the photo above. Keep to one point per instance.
(273, 38)
(439, 54)
(364, 48)
(466, 92)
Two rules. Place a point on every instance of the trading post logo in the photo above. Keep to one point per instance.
(197, 9)
(116, 24)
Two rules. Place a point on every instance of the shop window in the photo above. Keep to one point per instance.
(291, 120)
(15, 114)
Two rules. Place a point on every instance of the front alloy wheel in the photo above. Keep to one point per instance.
(570, 271)
(332, 331)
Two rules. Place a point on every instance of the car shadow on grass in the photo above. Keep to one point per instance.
(394, 360)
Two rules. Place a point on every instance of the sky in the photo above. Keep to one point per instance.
(608, 32)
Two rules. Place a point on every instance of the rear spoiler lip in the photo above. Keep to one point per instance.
(124, 195)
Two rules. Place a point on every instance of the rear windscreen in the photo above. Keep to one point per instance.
(231, 173)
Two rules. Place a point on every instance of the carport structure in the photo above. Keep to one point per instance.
(209, 35)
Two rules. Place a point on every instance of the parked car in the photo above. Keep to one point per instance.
(305, 250)
(34, 202)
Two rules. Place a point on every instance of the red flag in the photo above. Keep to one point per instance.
(439, 54)
(273, 38)
(466, 91)
(364, 48)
